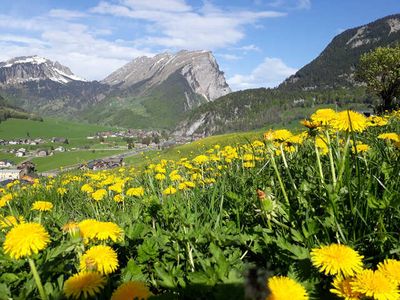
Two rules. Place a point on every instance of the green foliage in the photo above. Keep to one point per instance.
(201, 242)
(380, 70)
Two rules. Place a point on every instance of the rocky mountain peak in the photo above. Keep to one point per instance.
(34, 68)
(198, 68)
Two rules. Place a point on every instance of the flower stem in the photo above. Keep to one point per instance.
(331, 160)
(321, 173)
(35, 274)
(279, 179)
(287, 167)
(343, 161)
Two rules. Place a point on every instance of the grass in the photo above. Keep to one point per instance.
(16, 128)
(199, 146)
(11, 157)
(202, 228)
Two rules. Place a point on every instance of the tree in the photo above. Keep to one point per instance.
(380, 70)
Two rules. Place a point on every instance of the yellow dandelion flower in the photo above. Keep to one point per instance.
(377, 121)
(284, 288)
(87, 188)
(342, 287)
(71, 228)
(376, 285)
(42, 206)
(321, 145)
(136, 192)
(391, 136)
(116, 187)
(249, 164)
(182, 186)
(100, 258)
(248, 157)
(118, 198)
(159, 176)
(131, 290)
(175, 177)
(97, 230)
(310, 124)
(200, 159)
(361, 148)
(160, 169)
(336, 259)
(5, 199)
(169, 191)
(281, 135)
(61, 191)
(84, 284)
(99, 194)
(297, 139)
(10, 221)
(190, 184)
(391, 269)
(26, 239)
(349, 121)
(323, 116)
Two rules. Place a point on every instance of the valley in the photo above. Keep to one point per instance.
(133, 169)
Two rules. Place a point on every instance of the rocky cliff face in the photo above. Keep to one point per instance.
(152, 92)
(40, 85)
(198, 68)
(34, 68)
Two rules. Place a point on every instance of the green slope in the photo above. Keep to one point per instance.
(162, 107)
(16, 128)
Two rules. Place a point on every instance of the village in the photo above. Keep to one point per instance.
(131, 142)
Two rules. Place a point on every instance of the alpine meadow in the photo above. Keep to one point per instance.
(211, 150)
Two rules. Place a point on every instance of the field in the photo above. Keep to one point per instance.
(15, 128)
(76, 134)
(311, 214)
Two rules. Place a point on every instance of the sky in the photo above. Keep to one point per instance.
(257, 43)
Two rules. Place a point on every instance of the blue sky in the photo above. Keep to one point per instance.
(256, 42)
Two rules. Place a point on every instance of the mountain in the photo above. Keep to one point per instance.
(7, 111)
(335, 66)
(198, 68)
(40, 85)
(159, 91)
(34, 68)
(148, 92)
(328, 79)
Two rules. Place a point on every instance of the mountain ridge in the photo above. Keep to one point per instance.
(137, 93)
(326, 80)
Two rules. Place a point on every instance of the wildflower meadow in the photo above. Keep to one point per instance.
(311, 214)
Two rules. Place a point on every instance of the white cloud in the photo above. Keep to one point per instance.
(163, 5)
(77, 40)
(72, 44)
(291, 4)
(185, 27)
(66, 14)
(270, 73)
(250, 48)
(228, 56)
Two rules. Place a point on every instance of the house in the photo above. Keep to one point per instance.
(20, 152)
(9, 174)
(6, 163)
(102, 164)
(42, 153)
(62, 140)
(60, 149)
